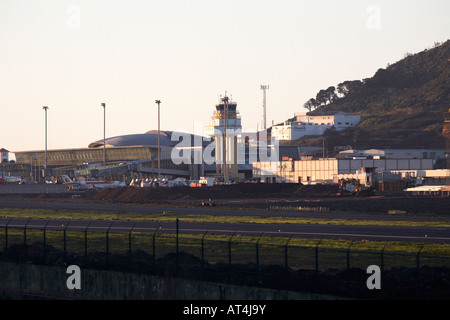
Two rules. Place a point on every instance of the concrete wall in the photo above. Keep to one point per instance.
(32, 188)
(17, 280)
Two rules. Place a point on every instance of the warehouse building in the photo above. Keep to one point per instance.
(325, 170)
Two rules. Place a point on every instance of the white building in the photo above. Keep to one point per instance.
(4, 155)
(325, 170)
(339, 120)
(305, 125)
(434, 154)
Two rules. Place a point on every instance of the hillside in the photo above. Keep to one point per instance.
(401, 106)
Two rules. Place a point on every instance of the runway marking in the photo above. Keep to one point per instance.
(316, 233)
(128, 228)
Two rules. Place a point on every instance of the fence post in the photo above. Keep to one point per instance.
(25, 233)
(45, 240)
(348, 270)
(257, 253)
(107, 244)
(129, 244)
(229, 256)
(6, 239)
(203, 249)
(177, 227)
(418, 273)
(258, 273)
(154, 246)
(316, 282)
(25, 239)
(85, 241)
(382, 272)
(65, 241)
(286, 264)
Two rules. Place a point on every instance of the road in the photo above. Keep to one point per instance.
(317, 231)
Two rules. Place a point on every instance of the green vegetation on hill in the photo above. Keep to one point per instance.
(401, 106)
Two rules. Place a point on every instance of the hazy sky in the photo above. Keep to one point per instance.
(73, 55)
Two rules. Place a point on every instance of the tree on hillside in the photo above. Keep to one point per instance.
(331, 94)
(342, 89)
(310, 104)
(322, 97)
(348, 86)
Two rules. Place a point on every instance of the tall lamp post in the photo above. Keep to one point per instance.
(104, 134)
(45, 109)
(159, 133)
(225, 143)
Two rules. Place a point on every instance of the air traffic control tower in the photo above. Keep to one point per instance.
(225, 128)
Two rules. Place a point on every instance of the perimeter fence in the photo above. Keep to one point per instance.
(250, 261)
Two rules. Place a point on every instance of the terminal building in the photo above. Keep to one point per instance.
(126, 156)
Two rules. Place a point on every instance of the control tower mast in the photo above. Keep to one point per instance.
(225, 127)
(264, 88)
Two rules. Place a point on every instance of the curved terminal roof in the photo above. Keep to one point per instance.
(149, 138)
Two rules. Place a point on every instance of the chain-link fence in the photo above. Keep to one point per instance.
(279, 265)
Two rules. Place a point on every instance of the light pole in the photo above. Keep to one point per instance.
(225, 144)
(264, 88)
(104, 134)
(159, 133)
(45, 108)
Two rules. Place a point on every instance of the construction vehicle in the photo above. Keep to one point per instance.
(360, 184)
(208, 203)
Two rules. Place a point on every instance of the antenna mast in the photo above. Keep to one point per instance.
(264, 88)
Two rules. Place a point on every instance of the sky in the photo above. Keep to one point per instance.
(74, 55)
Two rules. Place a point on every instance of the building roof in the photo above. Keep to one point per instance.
(150, 138)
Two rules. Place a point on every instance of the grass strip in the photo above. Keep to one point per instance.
(242, 246)
(168, 216)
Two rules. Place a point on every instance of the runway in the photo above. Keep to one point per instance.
(125, 208)
(316, 231)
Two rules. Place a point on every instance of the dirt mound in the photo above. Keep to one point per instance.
(236, 191)
(317, 190)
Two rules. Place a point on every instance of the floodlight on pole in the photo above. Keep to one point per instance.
(159, 133)
(104, 133)
(264, 88)
(225, 142)
(45, 108)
